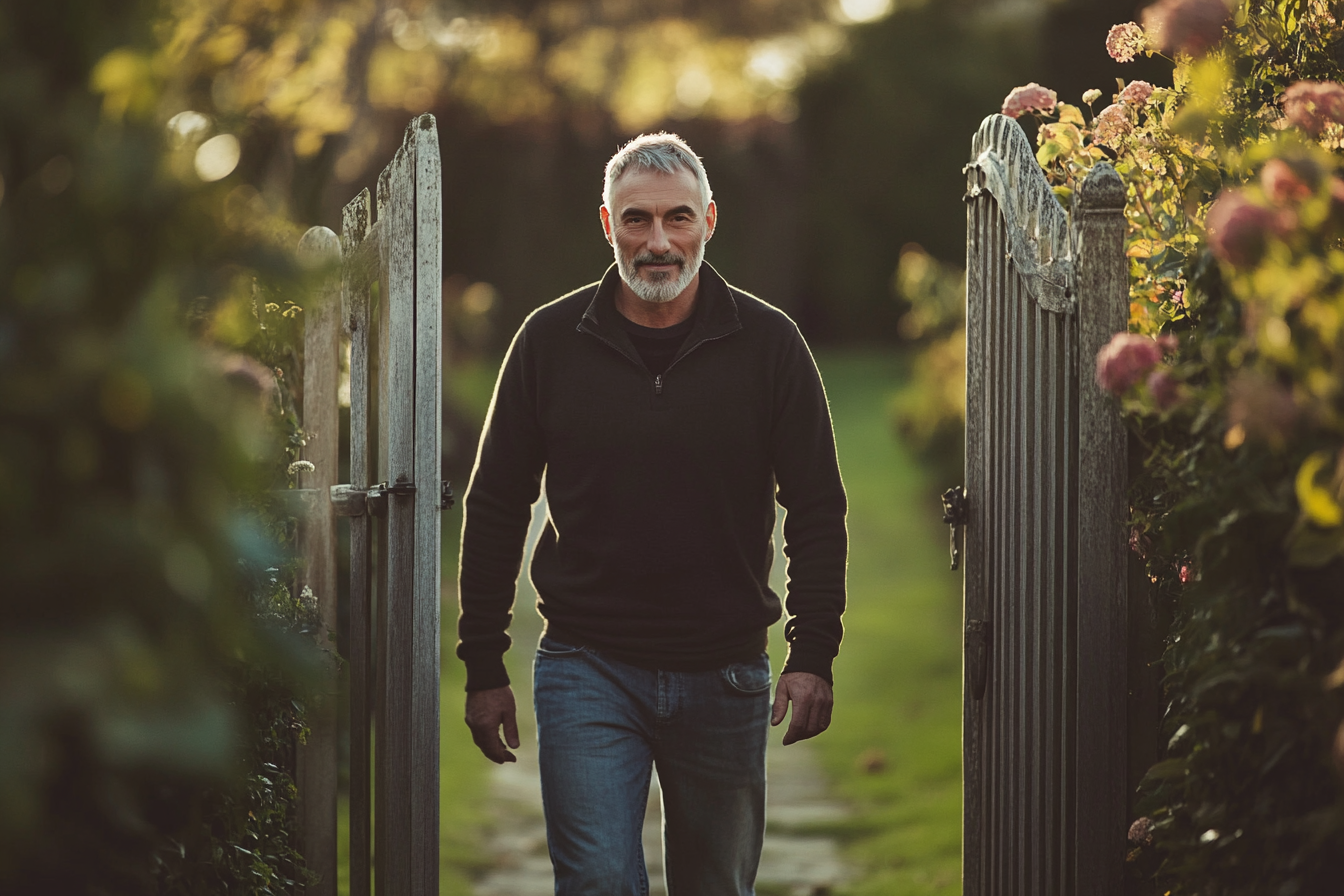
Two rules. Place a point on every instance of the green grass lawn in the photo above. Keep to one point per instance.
(898, 676)
(893, 751)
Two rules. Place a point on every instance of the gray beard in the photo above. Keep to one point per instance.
(663, 288)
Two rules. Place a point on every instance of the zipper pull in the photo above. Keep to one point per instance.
(658, 384)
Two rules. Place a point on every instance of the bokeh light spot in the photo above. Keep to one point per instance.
(864, 10)
(56, 175)
(187, 126)
(217, 157)
(694, 88)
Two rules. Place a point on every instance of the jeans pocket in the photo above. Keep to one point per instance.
(549, 647)
(750, 678)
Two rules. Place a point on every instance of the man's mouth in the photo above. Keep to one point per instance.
(659, 261)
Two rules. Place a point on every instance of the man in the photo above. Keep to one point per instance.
(665, 411)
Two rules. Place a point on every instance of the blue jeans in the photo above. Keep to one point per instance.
(602, 725)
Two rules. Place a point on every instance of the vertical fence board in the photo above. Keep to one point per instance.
(1103, 304)
(394, 758)
(428, 546)
(355, 290)
(317, 758)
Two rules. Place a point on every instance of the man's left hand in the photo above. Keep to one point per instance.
(812, 700)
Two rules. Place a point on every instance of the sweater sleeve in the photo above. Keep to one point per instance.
(505, 482)
(809, 488)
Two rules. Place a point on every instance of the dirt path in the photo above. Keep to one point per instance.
(793, 862)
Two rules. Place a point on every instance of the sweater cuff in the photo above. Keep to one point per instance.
(802, 659)
(486, 672)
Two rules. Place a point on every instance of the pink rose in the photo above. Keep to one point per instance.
(1124, 42)
(1112, 124)
(1238, 228)
(1281, 184)
(1136, 93)
(1141, 832)
(1124, 360)
(1311, 105)
(1164, 388)
(1030, 97)
(1263, 407)
(1186, 26)
(1337, 200)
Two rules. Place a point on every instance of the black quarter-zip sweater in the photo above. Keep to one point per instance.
(660, 490)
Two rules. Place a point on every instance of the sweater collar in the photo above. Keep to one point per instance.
(716, 309)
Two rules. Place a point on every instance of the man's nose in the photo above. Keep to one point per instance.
(658, 241)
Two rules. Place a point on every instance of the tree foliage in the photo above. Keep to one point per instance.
(150, 653)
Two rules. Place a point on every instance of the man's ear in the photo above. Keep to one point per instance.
(606, 223)
(711, 218)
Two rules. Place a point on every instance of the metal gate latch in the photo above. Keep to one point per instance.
(446, 497)
(956, 510)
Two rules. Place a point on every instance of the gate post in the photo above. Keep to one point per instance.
(1103, 309)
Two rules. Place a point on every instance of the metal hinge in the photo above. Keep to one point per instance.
(956, 512)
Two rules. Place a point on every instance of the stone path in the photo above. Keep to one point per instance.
(793, 862)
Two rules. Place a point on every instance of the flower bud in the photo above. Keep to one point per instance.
(1311, 105)
(1281, 184)
(1136, 93)
(1164, 388)
(1124, 360)
(1237, 228)
(1185, 26)
(1027, 98)
(1124, 42)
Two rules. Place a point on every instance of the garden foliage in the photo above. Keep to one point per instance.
(1232, 382)
(152, 657)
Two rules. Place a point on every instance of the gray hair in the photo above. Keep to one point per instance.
(663, 152)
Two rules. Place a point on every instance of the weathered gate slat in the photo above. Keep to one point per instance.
(1044, 737)
(317, 759)
(428, 428)
(356, 242)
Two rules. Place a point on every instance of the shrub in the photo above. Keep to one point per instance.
(1235, 211)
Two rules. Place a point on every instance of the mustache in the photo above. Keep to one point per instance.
(664, 258)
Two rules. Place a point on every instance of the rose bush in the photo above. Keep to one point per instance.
(1232, 382)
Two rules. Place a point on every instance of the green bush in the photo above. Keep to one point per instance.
(1236, 211)
(150, 657)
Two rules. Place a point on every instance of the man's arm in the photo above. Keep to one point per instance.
(497, 511)
(815, 541)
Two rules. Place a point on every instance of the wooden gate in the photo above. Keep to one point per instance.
(390, 305)
(1044, 705)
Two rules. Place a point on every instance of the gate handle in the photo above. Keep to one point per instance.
(956, 510)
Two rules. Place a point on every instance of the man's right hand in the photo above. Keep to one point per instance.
(486, 712)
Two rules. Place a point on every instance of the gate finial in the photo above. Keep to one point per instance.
(1102, 189)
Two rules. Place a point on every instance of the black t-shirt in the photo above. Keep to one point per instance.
(657, 346)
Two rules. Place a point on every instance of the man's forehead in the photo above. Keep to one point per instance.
(650, 184)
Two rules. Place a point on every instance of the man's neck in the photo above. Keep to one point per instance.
(657, 314)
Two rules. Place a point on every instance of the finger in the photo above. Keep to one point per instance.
(781, 703)
(798, 723)
(511, 728)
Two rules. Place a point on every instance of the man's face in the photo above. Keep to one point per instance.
(658, 228)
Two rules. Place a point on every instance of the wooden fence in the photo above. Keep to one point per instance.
(388, 298)
(1044, 707)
